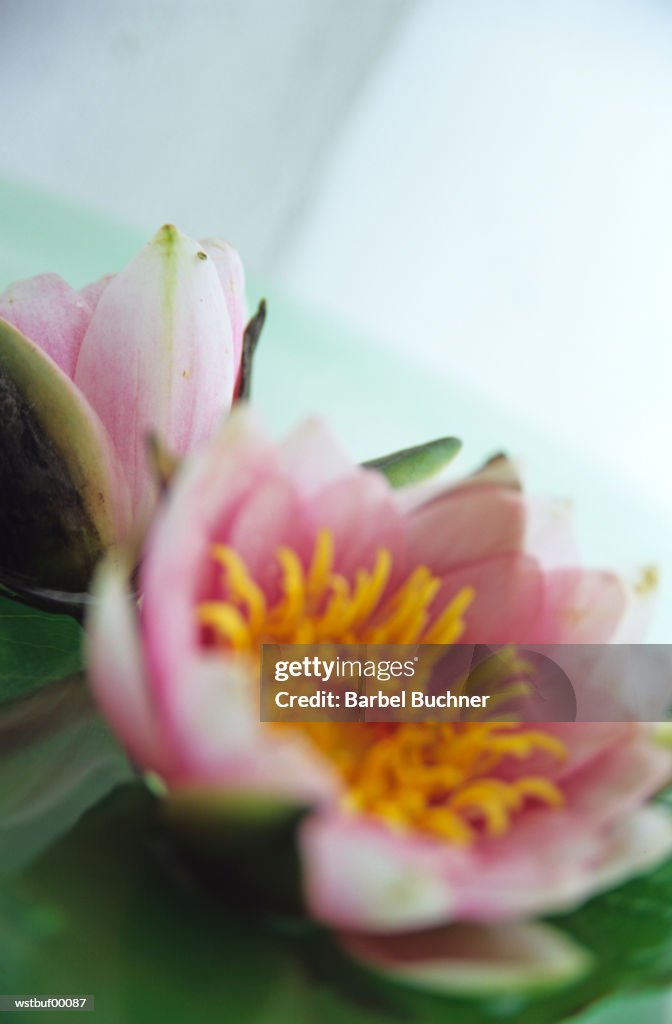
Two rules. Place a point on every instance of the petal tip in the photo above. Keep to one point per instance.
(168, 236)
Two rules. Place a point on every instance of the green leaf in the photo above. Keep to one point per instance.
(57, 758)
(112, 911)
(115, 909)
(412, 465)
(35, 648)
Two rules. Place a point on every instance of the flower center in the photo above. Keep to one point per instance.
(317, 604)
(453, 780)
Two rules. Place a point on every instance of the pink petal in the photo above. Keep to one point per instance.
(626, 775)
(207, 492)
(549, 534)
(553, 858)
(286, 508)
(472, 960)
(585, 742)
(363, 518)
(582, 607)
(402, 882)
(117, 672)
(158, 357)
(466, 525)
(51, 313)
(637, 844)
(499, 472)
(229, 267)
(555, 862)
(272, 517)
(91, 293)
(508, 601)
(358, 875)
(218, 741)
(311, 458)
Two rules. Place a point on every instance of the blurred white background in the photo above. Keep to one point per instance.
(483, 184)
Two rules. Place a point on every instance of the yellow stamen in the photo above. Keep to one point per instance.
(294, 587)
(228, 623)
(241, 586)
(370, 587)
(444, 629)
(441, 779)
(320, 567)
(319, 605)
(334, 620)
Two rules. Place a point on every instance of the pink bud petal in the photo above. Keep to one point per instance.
(158, 355)
(229, 267)
(91, 292)
(51, 313)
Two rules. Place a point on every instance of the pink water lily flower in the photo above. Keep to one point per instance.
(154, 348)
(412, 827)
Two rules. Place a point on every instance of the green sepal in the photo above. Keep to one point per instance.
(413, 465)
(58, 511)
(57, 758)
(250, 342)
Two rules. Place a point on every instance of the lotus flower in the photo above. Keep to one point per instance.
(85, 376)
(409, 827)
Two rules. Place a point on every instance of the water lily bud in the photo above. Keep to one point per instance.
(158, 355)
(86, 377)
